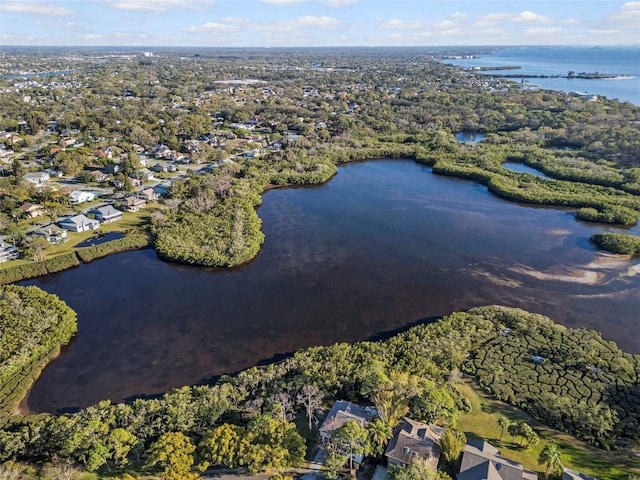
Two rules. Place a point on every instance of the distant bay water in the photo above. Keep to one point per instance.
(623, 61)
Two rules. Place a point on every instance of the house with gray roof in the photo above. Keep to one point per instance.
(573, 475)
(52, 234)
(414, 439)
(79, 223)
(7, 251)
(39, 179)
(107, 214)
(483, 461)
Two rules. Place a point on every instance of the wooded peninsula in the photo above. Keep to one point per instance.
(176, 149)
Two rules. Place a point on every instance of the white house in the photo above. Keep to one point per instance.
(7, 251)
(52, 233)
(39, 179)
(107, 214)
(80, 196)
(79, 223)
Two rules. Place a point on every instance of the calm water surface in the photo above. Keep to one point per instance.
(382, 245)
(560, 60)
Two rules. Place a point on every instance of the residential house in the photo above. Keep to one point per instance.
(133, 204)
(32, 210)
(112, 168)
(254, 152)
(573, 475)
(162, 189)
(107, 214)
(39, 179)
(99, 176)
(482, 461)
(52, 233)
(7, 251)
(342, 412)
(81, 196)
(79, 223)
(414, 439)
(143, 175)
(160, 167)
(149, 195)
(162, 151)
(53, 172)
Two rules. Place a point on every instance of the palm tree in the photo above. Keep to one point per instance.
(379, 433)
(504, 423)
(551, 456)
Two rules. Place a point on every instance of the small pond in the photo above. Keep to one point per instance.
(467, 136)
(100, 238)
(522, 168)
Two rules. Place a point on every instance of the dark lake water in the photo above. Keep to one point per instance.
(381, 246)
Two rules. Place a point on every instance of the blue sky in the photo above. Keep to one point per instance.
(241, 23)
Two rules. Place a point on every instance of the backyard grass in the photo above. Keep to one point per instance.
(482, 422)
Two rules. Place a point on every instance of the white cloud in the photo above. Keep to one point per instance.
(545, 31)
(530, 17)
(446, 24)
(523, 17)
(325, 23)
(282, 2)
(69, 25)
(629, 12)
(459, 16)
(157, 6)
(92, 37)
(630, 6)
(8, 38)
(397, 24)
(212, 27)
(339, 3)
(35, 8)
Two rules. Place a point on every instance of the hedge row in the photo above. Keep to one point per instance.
(132, 241)
(36, 269)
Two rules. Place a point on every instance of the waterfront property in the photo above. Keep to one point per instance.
(79, 223)
(52, 233)
(343, 412)
(107, 214)
(483, 461)
(414, 439)
(7, 251)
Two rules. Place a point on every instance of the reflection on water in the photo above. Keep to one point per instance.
(382, 245)
(469, 136)
(522, 168)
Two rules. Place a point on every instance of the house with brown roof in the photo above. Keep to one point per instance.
(483, 461)
(133, 204)
(413, 439)
(32, 210)
(343, 412)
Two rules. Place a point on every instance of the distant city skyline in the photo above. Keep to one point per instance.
(318, 23)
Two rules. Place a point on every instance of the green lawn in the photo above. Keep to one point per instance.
(482, 422)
